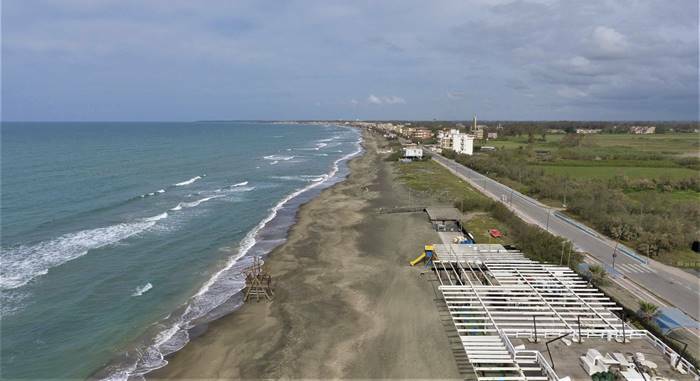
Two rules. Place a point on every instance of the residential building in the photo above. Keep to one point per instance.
(555, 131)
(642, 130)
(587, 131)
(463, 143)
(480, 131)
(492, 135)
(445, 138)
(422, 134)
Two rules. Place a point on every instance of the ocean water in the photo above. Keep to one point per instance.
(119, 238)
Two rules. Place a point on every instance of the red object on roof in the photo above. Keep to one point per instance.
(495, 233)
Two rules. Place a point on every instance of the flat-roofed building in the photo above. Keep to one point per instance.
(413, 152)
(505, 307)
(422, 134)
(463, 143)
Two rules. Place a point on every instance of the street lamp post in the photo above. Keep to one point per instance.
(564, 203)
(561, 259)
(614, 255)
(548, 213)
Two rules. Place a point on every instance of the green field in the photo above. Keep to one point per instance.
(685, 144)
(673, 143)
(609, 171)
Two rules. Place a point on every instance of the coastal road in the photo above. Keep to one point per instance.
(654, 281)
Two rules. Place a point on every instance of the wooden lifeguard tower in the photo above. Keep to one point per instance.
(258, 281)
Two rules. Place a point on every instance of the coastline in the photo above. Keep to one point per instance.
(221, 294)
(346, 303)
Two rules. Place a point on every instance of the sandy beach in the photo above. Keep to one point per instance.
(347, 304)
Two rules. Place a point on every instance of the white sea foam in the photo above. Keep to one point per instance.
(23, 263)
(240, 184)
(192, 204)
(274, 162)
(151, 194)
(158, 217)
(220, 287)
(278, 157)
(305, 178)
(188, 182)
(142, 289)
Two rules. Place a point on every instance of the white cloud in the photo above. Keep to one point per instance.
(609, 42)
(374, 99)
(571, 92)
(390, 100)
(394, 100)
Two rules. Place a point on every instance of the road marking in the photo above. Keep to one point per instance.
(630, 268)
(622, 267)
(649, 269)
(640, 268)
(635, 268)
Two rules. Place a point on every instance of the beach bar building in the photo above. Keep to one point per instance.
(413, 152)
(520, 319)
(445, 219)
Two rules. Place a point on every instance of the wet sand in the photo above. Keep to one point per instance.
(347, 305)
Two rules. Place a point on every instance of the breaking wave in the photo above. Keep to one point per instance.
(219, 289)
(278, 157)
(142, 289)
(23, 263)
(192, 204)
(188, 182)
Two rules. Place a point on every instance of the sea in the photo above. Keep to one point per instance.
(120, 240)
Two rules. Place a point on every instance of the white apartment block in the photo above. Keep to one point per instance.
(463, 143)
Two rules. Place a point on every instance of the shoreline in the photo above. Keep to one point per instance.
(165, 338)
(346, 303)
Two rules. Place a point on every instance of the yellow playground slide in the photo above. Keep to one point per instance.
(417, 260)
(426, 254)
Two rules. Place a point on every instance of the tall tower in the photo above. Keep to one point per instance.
(474, 125)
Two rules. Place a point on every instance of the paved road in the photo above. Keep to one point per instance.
(673, 286)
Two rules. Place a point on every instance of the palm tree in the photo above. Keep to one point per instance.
(598, 275)
(648, 311)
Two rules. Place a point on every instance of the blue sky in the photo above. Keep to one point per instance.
(503, 59)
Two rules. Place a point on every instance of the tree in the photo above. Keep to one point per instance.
(598, 275)
(648, 311)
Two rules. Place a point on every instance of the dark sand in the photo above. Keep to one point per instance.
(347, 304)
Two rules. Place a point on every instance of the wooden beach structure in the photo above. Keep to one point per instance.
(258, 281)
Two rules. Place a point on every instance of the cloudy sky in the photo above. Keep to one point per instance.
(403, 59)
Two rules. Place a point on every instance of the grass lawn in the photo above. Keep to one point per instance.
(675, 196)
(479, 225)
(432, 179)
